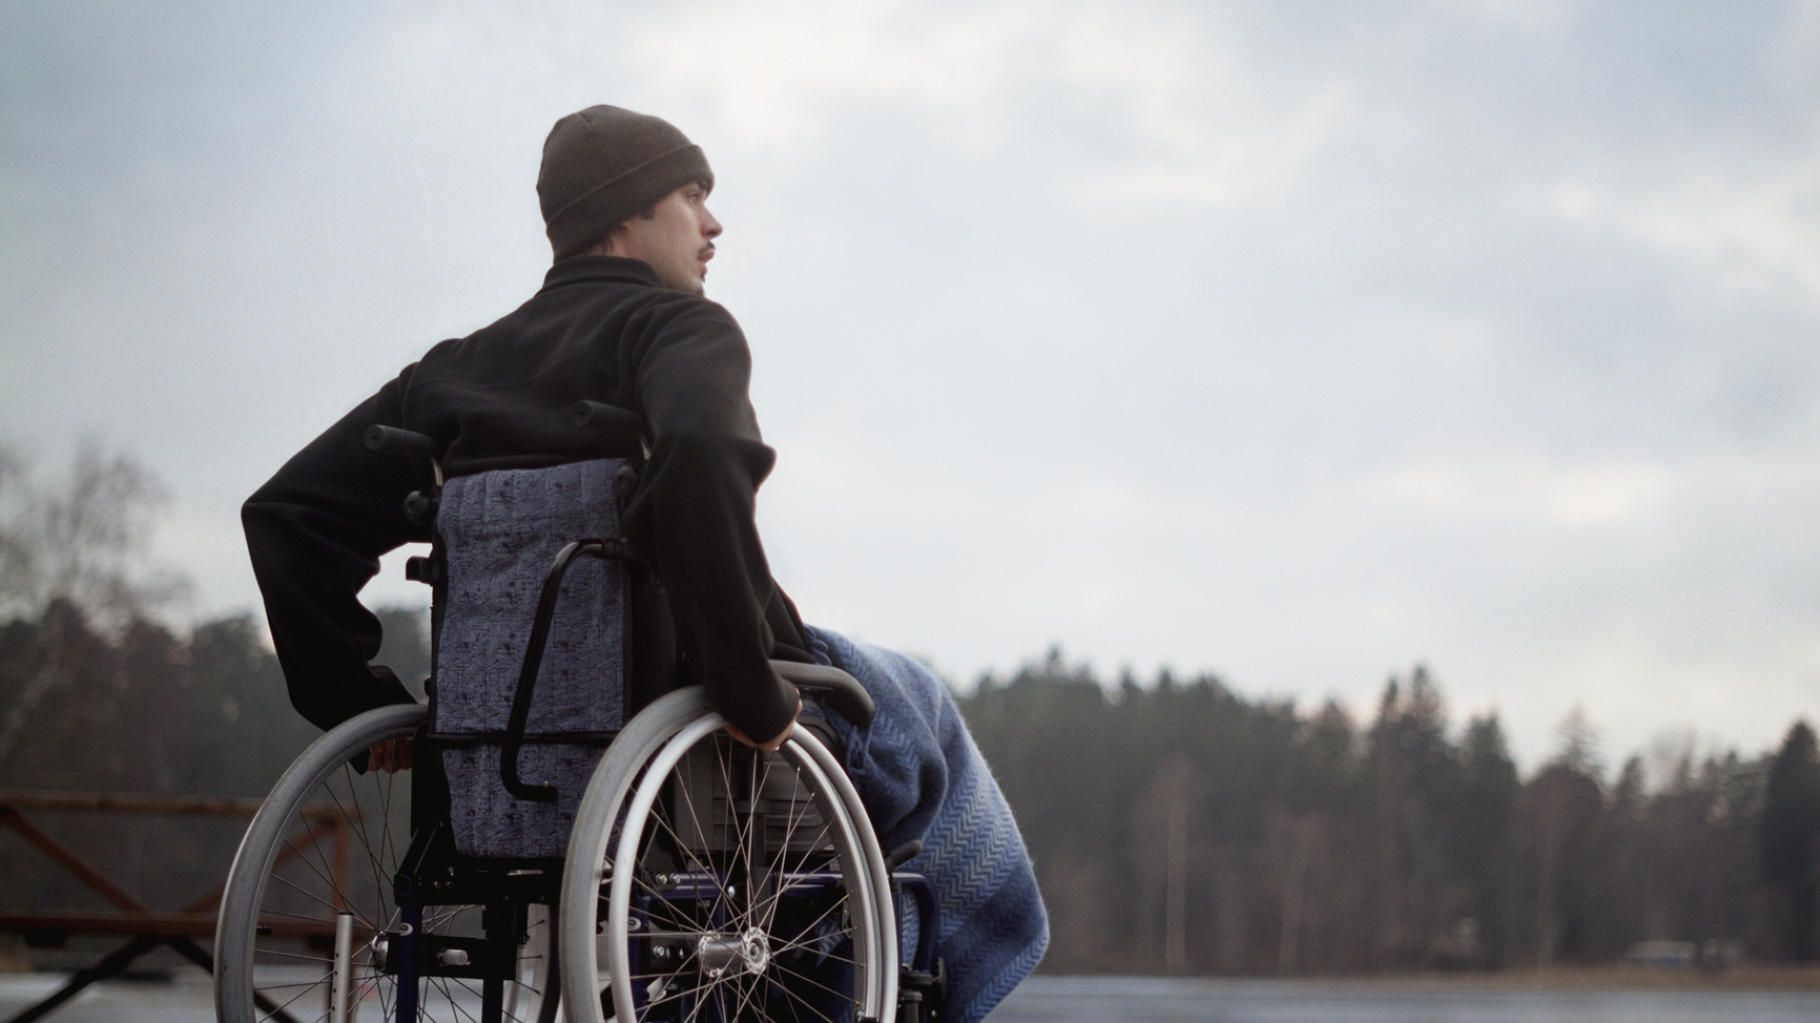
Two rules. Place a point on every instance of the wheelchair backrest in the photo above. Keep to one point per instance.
(497, 533)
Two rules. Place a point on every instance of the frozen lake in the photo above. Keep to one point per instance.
(187, 998)
(1272, 1001)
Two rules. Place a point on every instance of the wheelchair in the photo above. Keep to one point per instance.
(701, 879)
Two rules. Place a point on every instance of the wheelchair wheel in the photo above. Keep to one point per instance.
(311, 924)
(706, 880)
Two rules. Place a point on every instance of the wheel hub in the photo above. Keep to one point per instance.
(748, 952)
(755, 949)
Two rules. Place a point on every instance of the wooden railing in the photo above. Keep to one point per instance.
(147, 929)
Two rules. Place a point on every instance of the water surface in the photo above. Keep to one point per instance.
(186, 998)
(1057, 999)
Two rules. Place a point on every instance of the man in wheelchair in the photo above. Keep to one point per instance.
(605, 421)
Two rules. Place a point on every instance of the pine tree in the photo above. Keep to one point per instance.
(1790, 836)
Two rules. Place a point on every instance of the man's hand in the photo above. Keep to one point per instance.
(776, 742)
(390, 756)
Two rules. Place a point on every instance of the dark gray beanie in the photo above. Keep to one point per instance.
(603, 166)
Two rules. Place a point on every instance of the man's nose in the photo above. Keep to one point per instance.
(710, 228)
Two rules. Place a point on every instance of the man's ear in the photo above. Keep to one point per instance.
(608, 245)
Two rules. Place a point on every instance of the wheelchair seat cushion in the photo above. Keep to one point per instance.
(498, 532)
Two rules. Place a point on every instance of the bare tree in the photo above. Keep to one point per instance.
(85, 540)
(16, 560)
(82, 545)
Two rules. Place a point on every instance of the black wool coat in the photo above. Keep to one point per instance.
(601, 329)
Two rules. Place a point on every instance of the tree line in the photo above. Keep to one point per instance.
(1176, 825)
(1179, 827)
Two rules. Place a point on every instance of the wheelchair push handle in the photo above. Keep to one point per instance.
(419, 507)
(599, 413)
(839, 691)
(403, 442)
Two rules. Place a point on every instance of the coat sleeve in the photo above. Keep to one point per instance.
(316, 531)
(694, 512)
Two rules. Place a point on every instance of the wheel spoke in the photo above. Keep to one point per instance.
(706, 871)
(702, 987)
(388, 852)
(302, 855)
(784, 826)
(745, 997)
(278, 1011)
(359, 830)
(262, 988)
(819, 954)
(676, 916)
(306, 893)
(802, 864)
(442, 984)
(469, 988)
(746, 837)
(796, 999)
(793, 819)
(811, 981)
(721, 897)
(793, 943)
(296, 955)
(385, 1004)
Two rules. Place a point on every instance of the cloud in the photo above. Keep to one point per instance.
(771, 74)
(1294, 342)
(1527, 490)
(1745, 232)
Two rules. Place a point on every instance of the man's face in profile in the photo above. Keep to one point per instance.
(676, 238)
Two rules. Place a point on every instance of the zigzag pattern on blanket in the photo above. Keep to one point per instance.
(921, 776)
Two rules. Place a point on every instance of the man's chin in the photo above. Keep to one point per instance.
(688, 285)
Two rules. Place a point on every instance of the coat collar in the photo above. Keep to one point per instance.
(578, 269)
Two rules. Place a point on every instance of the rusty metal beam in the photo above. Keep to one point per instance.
(147, 929)
(114, 963)
(154, 925)
(68, 860)
(290, 852)
(118, 802)
(91, 876)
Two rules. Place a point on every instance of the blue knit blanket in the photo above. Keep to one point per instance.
(921, 777)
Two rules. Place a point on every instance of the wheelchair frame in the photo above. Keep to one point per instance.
(698, 927)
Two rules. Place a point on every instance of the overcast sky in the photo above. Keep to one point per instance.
(1296, 343)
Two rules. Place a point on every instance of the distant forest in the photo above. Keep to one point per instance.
(1176, 826)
